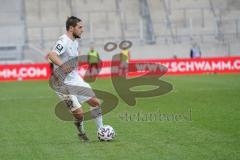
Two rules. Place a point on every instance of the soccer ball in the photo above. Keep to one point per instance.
(106, 133)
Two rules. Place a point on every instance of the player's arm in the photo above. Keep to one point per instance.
(98, 56)
(129, 55)
(57, 50)
(55, 58)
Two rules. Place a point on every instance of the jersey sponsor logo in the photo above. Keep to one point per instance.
(59, 47)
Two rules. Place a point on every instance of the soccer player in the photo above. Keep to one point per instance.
(124, 61)
(65, 49)
(93, 61)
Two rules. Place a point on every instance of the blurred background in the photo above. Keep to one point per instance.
(157, 28)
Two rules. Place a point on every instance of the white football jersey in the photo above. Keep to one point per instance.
(67, 49)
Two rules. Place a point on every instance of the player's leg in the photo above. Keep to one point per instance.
(75, 107)
(78, 115)
(91, 69)
(123, 69)
(94, 69)
(89, 97)
(79, 118)
(96, 111)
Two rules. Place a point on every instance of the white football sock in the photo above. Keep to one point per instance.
(96, 113)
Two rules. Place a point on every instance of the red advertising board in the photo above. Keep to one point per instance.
(14, 72)
(192, 66)
(136, 67)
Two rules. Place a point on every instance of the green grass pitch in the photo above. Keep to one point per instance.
(30, 130)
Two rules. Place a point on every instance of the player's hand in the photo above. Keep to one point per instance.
(67, 68)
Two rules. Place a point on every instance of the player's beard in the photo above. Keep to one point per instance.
(76, 36)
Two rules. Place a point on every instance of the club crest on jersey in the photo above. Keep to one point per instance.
(59, 47)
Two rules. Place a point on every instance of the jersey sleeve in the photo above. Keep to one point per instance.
(60, 47)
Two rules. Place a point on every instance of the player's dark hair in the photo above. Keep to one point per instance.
(72, 21)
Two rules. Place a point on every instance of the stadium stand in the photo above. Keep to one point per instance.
(157, 28)
(12, 37)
